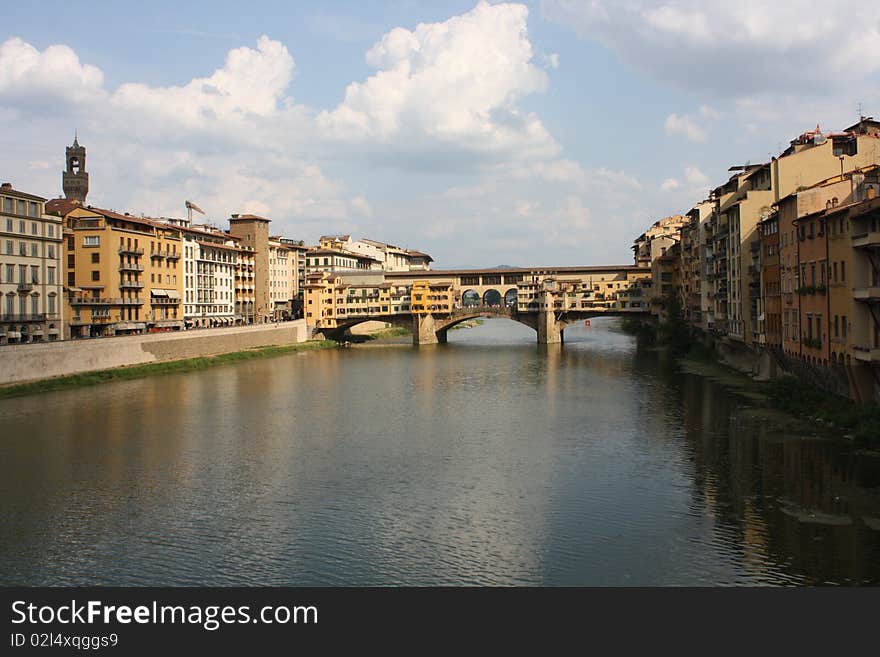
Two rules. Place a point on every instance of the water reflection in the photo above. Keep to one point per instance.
(488, 460)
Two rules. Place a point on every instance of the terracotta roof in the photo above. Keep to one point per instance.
(249, 217)
(61, 206)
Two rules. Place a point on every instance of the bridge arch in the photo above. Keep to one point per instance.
(343, 325)
(470, 298)
(491, 297)
(510, 297)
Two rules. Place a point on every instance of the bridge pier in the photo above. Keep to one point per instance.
(424, 330)
(549, 329)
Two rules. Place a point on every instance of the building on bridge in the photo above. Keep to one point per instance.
(431, 302)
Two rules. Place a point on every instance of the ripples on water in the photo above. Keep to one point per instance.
(489, 460)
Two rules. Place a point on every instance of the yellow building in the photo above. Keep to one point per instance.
(123, 273)
(427, 297)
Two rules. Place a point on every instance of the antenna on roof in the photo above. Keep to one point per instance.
(861, 116)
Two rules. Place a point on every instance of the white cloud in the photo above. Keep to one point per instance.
(33, 78)
(694, 176)
(250, 83)
(444, 95)
(684, 125)
(454, 83)
(733, 49)
(670, 183)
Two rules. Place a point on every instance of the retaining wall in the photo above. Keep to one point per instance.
(28, 362)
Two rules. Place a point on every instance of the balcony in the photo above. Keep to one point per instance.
(94, 301)
(157, 254)
(131, 284)
(866, 354)
(128, 250)
(130, 267)
(866, 294)
(133, 301)
(173, 256)
(40, 317)
(24, 288)
(164, 301)
(866, 240)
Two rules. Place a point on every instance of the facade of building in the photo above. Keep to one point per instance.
(31, 286)
(124, 273)
(253, 232)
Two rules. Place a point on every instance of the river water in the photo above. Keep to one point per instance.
(489, 460)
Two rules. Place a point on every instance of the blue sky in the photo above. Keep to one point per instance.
(547, 132)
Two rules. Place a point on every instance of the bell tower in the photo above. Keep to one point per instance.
(75, 179)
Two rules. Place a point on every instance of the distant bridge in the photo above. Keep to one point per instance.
(433, 328)
(429, 303)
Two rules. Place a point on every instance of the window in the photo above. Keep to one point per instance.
(33, 226)
(836, 326)
(96, 276)
(50, 275)
(22, 248)
(51, 252)
(21, 226)
(35, 305)
(10, 305)
(92, 240)
(96, 258)
(843, 271)
(51, 309)
(33, 210)
(22, 273)
(35, 250)
(8, 208)
(9, 225)
(35, 274)
(10, 273)
(51, 230)
(9, 247)
(843, 326)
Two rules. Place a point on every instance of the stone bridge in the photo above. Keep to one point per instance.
(432, 328)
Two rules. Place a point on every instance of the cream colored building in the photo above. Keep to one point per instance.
(31, 284)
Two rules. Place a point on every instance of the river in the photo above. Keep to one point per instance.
(487, 461)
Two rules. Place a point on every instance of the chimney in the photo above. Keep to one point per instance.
(6, 185)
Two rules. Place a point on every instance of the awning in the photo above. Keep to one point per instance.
(13, 335)
(172, 294)
(53, 331)
(158, 292)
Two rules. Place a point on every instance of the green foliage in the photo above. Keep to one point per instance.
(793, 396)
(674, 332)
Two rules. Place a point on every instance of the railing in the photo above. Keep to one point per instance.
(131, 284)
(94, 301)
(130, 267)
(132, 250)
(25, 287)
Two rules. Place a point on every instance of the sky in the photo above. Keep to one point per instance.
(539, 133)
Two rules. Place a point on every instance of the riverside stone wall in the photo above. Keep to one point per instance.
(29, 362)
